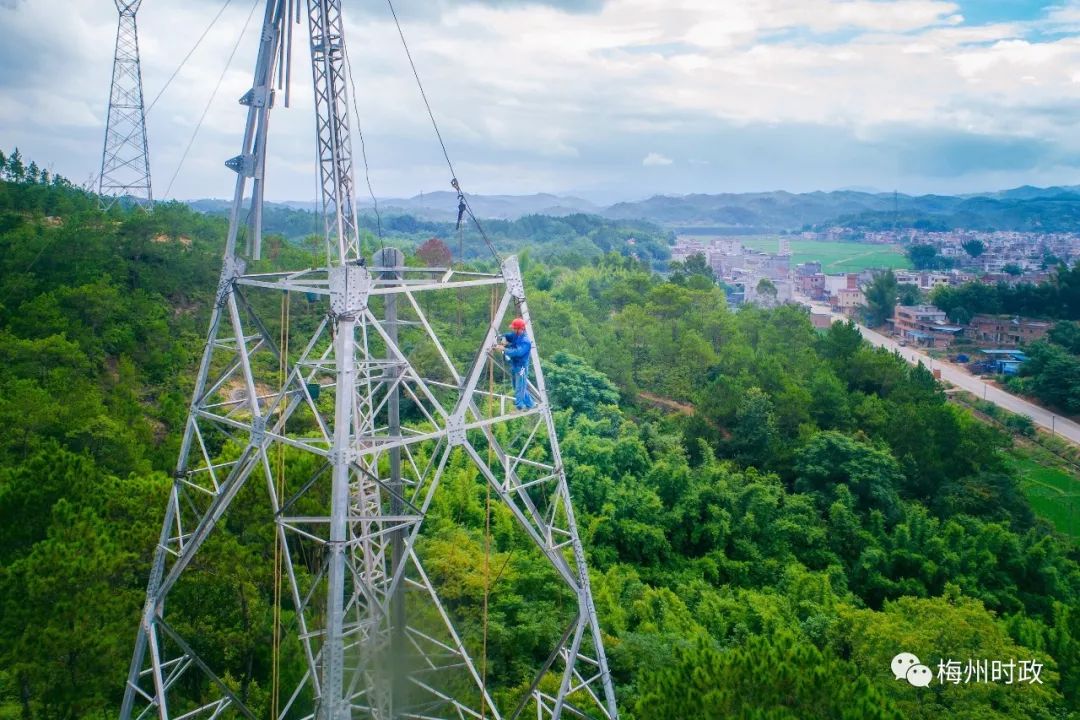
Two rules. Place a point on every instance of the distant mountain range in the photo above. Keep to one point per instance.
(1022, 208)
(442, 206)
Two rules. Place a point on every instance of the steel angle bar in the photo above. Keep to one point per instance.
(176, 669)
(284, 274)
(323, 519)
(393, 348)
(551, 658)
(390, 491)
(372, 445)
(426, 286)
(294, 588)
(217, 508)
(308, 675)
(304, 533)
(410, 541)
(314, 288)
(586, 685)
(414, 633)
(217, 384)
(534, 531)
(208, 463)
(420, 405)
(415, 270)
(422, 317)
(520, 460)
(453, 633)
(293, 442)
(316, 579)
(304, 488)
(176, 638)
(458, 705)
(195, 486)
(217, 706)
(521, 486)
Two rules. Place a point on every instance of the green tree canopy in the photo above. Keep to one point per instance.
(710, 683)
(881, 294)
(573, 384)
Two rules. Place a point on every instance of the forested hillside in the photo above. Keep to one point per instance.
(572, 240)
(817, 507)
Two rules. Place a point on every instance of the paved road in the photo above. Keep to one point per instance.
(962, 379)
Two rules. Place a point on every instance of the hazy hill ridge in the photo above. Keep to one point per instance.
(1027, 208)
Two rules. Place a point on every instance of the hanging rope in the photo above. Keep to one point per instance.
(463, 202)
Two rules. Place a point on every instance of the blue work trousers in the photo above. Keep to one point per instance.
(522, 399)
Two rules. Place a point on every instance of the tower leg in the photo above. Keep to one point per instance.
(333, 704)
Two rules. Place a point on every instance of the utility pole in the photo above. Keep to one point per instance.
(125, 159)
(383, 410)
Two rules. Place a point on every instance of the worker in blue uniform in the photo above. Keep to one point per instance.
(517, 348)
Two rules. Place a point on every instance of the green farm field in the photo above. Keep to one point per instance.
(836, 257)
(1054, 493)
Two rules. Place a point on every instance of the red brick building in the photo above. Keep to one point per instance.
(1006, 330)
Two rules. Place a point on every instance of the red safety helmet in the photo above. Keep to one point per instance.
(517, 324)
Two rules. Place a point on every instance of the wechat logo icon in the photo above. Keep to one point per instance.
(906, 666)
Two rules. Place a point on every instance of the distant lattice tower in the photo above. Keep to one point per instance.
(125, 160)
(784, 247)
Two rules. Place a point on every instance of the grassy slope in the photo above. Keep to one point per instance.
(1053, 489)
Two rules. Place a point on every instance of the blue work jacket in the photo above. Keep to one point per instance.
(518, 348)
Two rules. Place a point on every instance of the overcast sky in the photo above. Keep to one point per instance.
(606, 99)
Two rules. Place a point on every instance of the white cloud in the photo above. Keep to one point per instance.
(526, 94)
(1066, 14)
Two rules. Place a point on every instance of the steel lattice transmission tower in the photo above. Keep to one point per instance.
(381, 414)
(125, 160)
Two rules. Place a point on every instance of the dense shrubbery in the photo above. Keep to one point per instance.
(822, 509)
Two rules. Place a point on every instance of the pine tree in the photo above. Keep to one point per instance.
(16, 171)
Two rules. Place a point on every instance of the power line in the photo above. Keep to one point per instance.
(202, 118)
(454, 182)
(188, 56)
(363, 148)
(96, 176)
